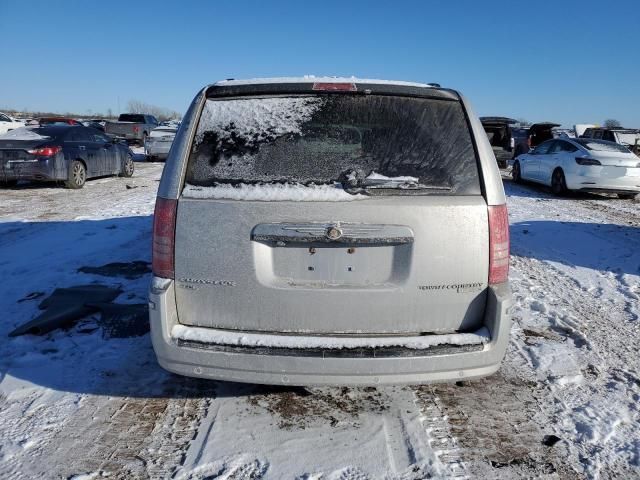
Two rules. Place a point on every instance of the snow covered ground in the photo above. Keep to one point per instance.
(86, 404)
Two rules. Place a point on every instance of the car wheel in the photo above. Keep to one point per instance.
(77, 175)
(627, 196)
(127, 167)
(558, 183)
(515, 173)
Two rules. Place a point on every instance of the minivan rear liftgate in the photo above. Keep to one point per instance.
(374, 258)
(381, 265)
(330, 232)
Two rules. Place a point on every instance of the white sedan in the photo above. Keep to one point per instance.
(8, 123)
(158, 143)
(581, 164)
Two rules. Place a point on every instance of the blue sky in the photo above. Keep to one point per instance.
(570, 61)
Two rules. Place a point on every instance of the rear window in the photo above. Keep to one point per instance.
(628, 138)
(520, 132)
(128, 117)
(602, 146)
(163, 132)
(326, 139)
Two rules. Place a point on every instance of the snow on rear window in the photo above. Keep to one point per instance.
(324, 139)
(628, 138)
(22, 134)
(602, 146)
(274, 192)
(377, 176)
(163, 132)
(255, 120)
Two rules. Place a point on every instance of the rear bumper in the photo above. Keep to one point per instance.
(612, 184)
(40, 169)
(158, 150)
(267, 366)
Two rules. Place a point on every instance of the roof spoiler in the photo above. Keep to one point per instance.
(216, 91)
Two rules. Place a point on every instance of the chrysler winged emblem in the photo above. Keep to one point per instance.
(333, 233)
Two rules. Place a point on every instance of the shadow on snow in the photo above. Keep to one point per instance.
(598, 246)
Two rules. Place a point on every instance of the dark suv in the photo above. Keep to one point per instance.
(500, 134)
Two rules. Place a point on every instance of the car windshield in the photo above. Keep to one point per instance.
(601, 145)
(361, 141)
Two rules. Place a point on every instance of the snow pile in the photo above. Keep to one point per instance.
(273, 192)
(22, 134)
(256, 119)
(378, 176)
(225, 337)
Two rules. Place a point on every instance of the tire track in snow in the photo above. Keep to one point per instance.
(327, 433)
(435, 423)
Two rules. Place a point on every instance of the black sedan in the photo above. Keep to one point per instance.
(66, 153)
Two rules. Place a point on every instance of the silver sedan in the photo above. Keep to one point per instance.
(158, 142)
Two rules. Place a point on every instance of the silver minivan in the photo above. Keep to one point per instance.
(314, 231)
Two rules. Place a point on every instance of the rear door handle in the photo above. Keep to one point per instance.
(82, 147)
(341, 233)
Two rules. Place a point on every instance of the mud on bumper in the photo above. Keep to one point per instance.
(449, 362)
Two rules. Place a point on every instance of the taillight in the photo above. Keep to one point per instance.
(498, 244)
(136, 129)
(587, 161)
(45, 151)
(164, 229)
(335, 87)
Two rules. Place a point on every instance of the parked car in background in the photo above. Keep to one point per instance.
(131, 127)
(580, 128)
(8, 123)
(500, 136)
(307, 233)
(50, 121)
(68, 153)
(581, 164)
(627, 137)
(536, 134)
(158, 143)
(564, 133)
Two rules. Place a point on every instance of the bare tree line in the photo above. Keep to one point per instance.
(133, 106)
(162, 114)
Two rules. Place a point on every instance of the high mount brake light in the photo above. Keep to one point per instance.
(335, 87)
(45, 151)
(498, 244)
(587, 161)
(164, 230)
